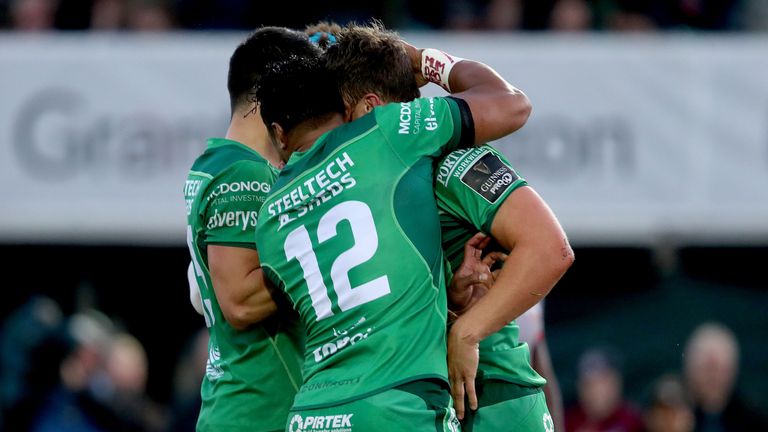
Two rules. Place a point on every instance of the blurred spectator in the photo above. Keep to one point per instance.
(33, 15)
(32, 345)
(601, 404)
(571, 15)
(149, 15)
(126, 370)
(136, 15)
(711, 367)
(108, 14)
(190, 371)
(632, 16)
(484, 14)
(102, 383)
(696, 14)
(560, 15)
(668, 409)
(72, 406)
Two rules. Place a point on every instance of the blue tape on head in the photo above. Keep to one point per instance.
(315, 38)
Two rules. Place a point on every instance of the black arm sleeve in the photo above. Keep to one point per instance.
(467, 123)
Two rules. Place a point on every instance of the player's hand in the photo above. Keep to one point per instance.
(463, 359)
(473, 278)
(471, 272)
(414, 54)
(490, 260)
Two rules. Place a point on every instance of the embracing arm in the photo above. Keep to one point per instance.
(539, 255)
(239, 284)
(497, 107)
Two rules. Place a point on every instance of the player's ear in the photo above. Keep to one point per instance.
(278, 136)
(349, 112)
(372, 100)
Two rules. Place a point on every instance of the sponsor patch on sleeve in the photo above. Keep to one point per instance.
(489, 177)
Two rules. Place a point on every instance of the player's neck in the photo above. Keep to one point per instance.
(252, 133)
(304, 136)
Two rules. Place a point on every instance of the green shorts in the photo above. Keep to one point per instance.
(416, 406)
(504, 406)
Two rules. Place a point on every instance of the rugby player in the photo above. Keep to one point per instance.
(350, 233)
(253, 372)
(473, 187)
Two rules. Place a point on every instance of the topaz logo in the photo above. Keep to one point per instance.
(329, 349)
(329, 423)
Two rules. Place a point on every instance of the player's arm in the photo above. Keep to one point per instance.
(239, 284)
(233, 261)
(539, 254)
(497, 107)
(542, 363)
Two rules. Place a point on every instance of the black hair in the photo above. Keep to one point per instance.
(256, 54)
(297, 90)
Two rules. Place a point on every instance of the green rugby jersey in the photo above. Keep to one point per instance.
(350, 233)
(471, 185)
(252, 375)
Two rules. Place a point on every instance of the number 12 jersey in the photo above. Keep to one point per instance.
(350, 232)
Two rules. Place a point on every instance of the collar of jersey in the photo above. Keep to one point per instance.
(219, 142)
(298, 155)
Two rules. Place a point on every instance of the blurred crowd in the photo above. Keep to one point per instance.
(703, 397)
(83, 373)
(556, 15)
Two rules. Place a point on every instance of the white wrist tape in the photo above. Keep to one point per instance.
(436, 66)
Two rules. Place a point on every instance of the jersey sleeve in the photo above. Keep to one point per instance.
(471, 185)
(234, 197)
(427, 126)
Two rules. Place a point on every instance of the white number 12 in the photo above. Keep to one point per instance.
(299, 246)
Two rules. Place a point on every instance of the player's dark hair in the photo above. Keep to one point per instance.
(256, 54)
(370, 58)
(298, 90)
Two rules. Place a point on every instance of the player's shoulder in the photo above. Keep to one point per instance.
(418, 119)
(416, 109)
(483, 170)
(222, 156)
(458, 162)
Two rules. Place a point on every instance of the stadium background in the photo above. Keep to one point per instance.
(649, 139)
